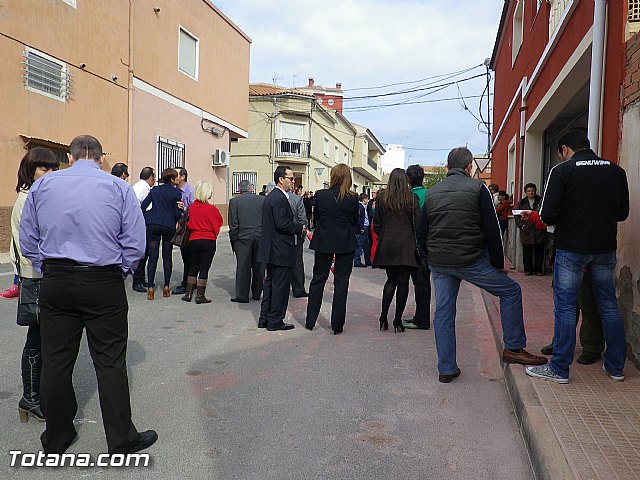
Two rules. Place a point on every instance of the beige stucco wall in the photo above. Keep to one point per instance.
(153, 117)
(222, 87)
(628, 267)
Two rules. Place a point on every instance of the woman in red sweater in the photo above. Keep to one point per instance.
(204, 226)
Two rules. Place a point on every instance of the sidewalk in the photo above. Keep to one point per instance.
(587, 429)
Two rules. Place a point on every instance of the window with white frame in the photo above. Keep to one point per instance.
(188, 53)
(336, 153)
(71, 3)
(46, 75)
(518, 29)
(170, 155)
(511, 167)
(538, 5)
(251, 177)
(345, 158)
(325, 146)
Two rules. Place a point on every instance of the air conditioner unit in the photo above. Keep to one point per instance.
(220, 158)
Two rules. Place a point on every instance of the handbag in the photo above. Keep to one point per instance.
(421, 255)
(181, 237)
(29, 290)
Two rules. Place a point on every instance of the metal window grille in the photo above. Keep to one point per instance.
(46, 75)
(170, 154)
(252, 177)
(634, 11)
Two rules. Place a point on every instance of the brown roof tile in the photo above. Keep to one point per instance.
(264, 89)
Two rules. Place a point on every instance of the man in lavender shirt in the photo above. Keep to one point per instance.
(188, 196)
(84, 230)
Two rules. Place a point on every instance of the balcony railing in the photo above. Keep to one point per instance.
(288, 147)
(372, 163)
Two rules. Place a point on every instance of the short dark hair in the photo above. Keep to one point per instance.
(575, 140)
(86, 147)
(416, 175)
(502, 193)
(183, 173)
(146, 173)
(493, 187)
(363, 196)
(280, 171)
(34, 158)
(120, 169)
(168, 175)
(459, 157)
(530, 185)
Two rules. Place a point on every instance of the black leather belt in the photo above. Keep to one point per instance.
(65, 265)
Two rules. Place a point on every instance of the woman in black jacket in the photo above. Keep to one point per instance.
(397, 210)
(166, 204)
(336, 215)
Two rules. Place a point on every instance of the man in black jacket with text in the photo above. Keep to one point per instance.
(585, 198)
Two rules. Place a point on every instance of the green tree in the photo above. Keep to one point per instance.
(434, 176)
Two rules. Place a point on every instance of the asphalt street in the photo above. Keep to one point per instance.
(231, 401)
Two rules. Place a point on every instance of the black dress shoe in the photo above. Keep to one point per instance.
(262, 323)
(300, 295)
(447, 378)
(337, 332)
(179, 290)
(282, 326)
(239, 300)
(547, 349)
(139, 287)
(308, 327)
(587, 358)
(360, 266)
(145, 440)
(257, 298)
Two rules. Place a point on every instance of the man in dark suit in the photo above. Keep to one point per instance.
(297, 278)
(245, 221)
(277, 251)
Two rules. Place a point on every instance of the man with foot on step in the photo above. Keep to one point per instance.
(459, 228)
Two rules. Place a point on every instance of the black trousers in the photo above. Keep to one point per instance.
(397, 284)
(186, 264)
(201, 253)
(249, 272)
(72, 299)
(275, 298)
(421, 278)
(533, 257)
(155, 235)
(139, 273)
(297, 275)
(341, 273)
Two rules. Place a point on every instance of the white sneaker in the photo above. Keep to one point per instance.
(545, 372)
(615, 378)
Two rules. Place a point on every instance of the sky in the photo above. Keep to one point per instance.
(371, 43)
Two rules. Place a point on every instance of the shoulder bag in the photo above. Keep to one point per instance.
(181, 237)
(29, 290)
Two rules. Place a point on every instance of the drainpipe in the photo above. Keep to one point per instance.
(597, 67)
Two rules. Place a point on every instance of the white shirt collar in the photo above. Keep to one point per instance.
(282, 190)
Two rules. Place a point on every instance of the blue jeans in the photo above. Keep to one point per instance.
(362, 240)
(480, 273)
(567, 277)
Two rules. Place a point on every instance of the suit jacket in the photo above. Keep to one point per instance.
(299, 213)
(278, 231)
(245, 217)
(336, 221)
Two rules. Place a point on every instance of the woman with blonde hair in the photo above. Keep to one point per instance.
(204, 226)
(336, 216)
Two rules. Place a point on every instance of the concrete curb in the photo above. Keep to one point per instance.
(546, 454)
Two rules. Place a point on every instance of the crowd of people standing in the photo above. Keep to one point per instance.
(448, 233)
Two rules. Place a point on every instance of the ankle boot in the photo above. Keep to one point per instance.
(191, 284)
(150, 293)
(30, 401)
(201, 286)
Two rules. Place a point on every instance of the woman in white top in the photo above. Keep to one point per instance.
(36, 163)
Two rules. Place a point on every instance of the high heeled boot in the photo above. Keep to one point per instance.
(191, 285)
(30, 401)
(201, 286)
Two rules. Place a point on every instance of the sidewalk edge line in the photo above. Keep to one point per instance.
(546, 455)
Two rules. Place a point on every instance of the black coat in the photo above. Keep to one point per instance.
(335, 222)
(396, 235)
(278, 230)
